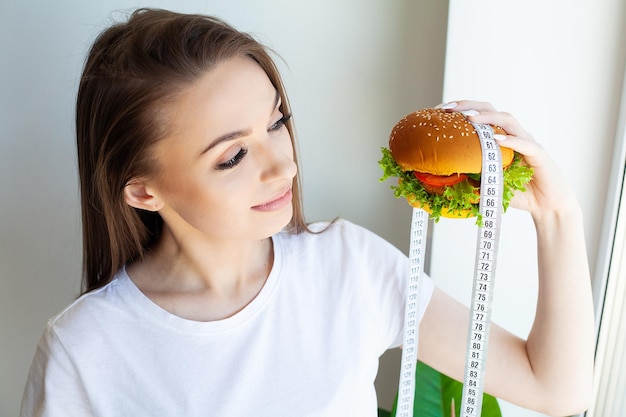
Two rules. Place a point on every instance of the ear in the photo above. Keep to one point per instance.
(137, 194)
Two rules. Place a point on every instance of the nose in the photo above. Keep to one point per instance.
(278, 160)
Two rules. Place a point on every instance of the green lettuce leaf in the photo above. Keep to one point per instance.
(461, 196)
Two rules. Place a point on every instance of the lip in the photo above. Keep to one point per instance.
(277, 203)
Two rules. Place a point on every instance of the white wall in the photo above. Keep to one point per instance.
(557, 66)
(353, 68)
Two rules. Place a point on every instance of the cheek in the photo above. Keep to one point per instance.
(180, 185)
(200, 197)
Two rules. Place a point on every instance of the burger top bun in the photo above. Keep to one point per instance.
(439, 143)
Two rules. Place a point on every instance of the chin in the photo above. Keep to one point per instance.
(275, 222)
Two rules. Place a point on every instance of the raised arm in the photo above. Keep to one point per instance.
(552, 370)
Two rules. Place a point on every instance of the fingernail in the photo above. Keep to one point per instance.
(470, 112)
(498, 136)
(446, 106)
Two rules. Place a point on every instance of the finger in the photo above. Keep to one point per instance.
(517, 139)
(534, 154)
(523, 146)
(462, 105)
(504, 120)
(484, 112)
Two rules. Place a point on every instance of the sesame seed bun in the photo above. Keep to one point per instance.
(440, 143)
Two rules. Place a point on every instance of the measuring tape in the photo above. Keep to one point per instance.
(490, 209)
(417, 249)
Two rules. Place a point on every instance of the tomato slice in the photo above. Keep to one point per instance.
(439, 180)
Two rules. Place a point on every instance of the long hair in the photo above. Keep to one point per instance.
(133, 70)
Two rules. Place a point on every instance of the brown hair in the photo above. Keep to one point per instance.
(132, 71)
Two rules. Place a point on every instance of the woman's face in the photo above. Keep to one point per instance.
(227, 167)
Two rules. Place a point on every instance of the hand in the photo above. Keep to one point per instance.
(548, 190)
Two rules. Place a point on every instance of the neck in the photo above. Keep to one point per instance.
(200, 279)
(197, 263)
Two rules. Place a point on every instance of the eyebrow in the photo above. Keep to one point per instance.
(238, 133)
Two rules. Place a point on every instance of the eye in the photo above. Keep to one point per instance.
(234, 161)
(279, 124)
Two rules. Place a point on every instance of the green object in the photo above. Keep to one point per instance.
(458, 197)
(434, 392)
(383, 413)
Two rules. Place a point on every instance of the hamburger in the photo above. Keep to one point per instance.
(437, 158)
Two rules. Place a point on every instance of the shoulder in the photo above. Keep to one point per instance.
(339, 231)
(89, 311)
(339, 241)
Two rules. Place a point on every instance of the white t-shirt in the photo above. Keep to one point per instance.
(307, 345)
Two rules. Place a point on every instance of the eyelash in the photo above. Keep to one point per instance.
(280, 123)
(234, 161)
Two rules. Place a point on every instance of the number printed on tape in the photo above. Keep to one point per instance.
(486, 257)
(406, 393)
(482, 290)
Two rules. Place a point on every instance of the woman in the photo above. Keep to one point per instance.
(206, 293)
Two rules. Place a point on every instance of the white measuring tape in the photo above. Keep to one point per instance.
(490, 209)
(417, 249)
